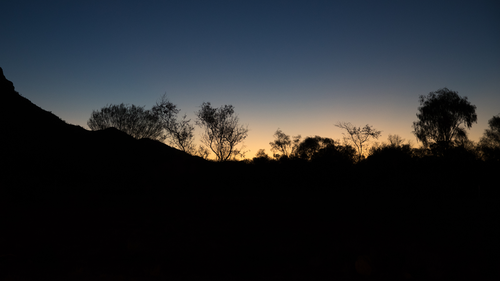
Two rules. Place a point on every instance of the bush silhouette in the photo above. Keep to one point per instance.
(131, 119)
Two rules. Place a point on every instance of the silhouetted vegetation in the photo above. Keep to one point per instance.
(131, 119)
(222, 130)
(283, 145)
(392, 154)
(180, 132)
(203, 152)
(90, 205)
(358, 136)
(490, 142)
(442, 117)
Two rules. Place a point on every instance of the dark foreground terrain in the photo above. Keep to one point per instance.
(80, 205)
(249, 240)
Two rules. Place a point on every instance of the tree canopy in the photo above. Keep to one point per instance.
(324, 151)
(492, 135)
(490, 142)
(311, 146)
(222, 130)
(443, 117)
(283, 145)
(131, 119)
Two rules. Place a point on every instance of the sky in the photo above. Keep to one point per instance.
(301, 66)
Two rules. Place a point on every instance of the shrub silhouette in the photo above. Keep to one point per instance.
(394, 152)
(324, 151)
(131, 119)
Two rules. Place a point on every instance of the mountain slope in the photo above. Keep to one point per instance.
(41, 154)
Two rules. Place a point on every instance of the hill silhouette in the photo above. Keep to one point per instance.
(41, 152)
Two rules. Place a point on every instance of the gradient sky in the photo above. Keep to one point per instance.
(301, 66)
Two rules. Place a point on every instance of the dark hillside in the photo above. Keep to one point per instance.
(41, 154)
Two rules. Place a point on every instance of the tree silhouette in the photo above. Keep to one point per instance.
(283, 146)
(490, 142)
(261, 157)
(131, 119)
(324, 151)
(335, 154)
(203, 152)
(180, 132)
(312, 145)
(441, 116)
(222, 130)
(358, 136)
(261, 153)
(392, 153)
(395, 140)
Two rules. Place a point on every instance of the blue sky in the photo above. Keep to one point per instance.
(301, 66)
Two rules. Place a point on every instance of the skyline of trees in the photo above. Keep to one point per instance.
(443, 118)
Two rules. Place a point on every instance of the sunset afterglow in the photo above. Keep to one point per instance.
(301, 66)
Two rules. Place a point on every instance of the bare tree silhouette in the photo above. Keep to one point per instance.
(203, 152)
(222, 130)
(358, 136)
(180, 132)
